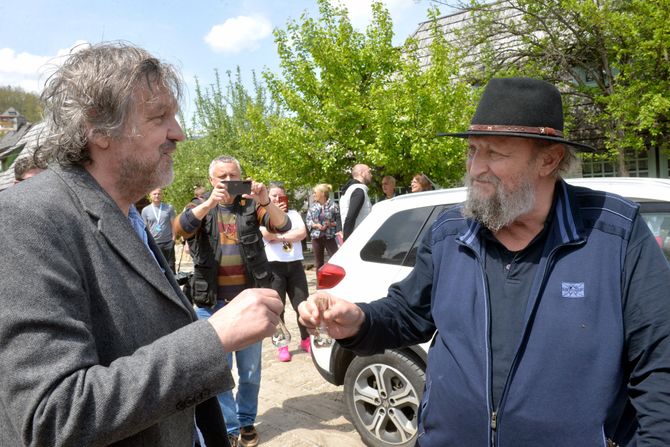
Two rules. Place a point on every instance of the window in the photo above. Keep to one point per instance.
(637, 164)
(657, 217)
(395, 242)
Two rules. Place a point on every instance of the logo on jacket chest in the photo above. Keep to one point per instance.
(572, 289)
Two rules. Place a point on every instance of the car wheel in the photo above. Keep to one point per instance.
(382, 394)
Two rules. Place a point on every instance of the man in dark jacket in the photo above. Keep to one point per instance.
(223, 233)
(548, 303)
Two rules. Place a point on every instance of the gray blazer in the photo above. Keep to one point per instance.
(97, 345)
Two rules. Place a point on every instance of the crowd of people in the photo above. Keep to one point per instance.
(546, 303)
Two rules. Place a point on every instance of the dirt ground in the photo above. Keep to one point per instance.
(296, 406)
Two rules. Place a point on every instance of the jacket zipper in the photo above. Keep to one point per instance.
(494, 425)
(494, 414)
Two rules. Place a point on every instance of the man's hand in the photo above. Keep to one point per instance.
(248, 318)
(343, 319)
(259, 193)
(218, 195)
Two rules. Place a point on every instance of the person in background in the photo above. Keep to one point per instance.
(224, 238)
(388, 187)
(99, 345)
(284, 252)
(547, 303)
(26, 167)
(421, 183)
(354, 202)
(322, 223)
(159, 217)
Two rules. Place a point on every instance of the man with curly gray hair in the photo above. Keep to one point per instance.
(99, 345)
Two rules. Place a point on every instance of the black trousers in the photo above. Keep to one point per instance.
(168, 253)
(289, 278)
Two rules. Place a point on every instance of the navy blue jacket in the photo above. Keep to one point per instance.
(596, 332)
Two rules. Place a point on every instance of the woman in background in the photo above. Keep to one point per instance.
(323, 219)
(421, 183)
(284, 253)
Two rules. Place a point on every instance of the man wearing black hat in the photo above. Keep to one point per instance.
(547, 302)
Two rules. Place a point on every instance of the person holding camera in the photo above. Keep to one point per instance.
(222, 230)
(284, 251)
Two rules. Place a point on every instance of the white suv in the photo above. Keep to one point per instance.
(383, 392)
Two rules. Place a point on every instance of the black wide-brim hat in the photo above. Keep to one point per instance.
(520, 107)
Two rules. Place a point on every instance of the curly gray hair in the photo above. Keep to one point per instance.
(92, 93)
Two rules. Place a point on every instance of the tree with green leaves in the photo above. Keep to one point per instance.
(610, 58)
(342, 97)
(354, 97)
(228, 121)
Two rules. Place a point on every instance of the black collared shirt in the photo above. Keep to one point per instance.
(509, 275)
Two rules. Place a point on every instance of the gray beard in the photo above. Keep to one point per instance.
(138, 177)
(503, 207)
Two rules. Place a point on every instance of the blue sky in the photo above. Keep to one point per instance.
(198, 37)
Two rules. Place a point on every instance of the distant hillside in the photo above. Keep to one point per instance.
(26, 103)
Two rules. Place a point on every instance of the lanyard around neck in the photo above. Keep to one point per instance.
(160, 209)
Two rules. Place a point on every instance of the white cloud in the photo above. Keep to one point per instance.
(29, 71)
(360, 11)
(242, 33)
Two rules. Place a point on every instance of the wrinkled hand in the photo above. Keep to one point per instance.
(248, 318)
(343, 318)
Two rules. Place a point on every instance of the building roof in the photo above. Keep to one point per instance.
(451, 24)
(11, 112)
(26, 139)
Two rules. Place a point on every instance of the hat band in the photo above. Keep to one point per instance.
(516, 129)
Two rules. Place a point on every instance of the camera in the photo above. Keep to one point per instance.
(237, 187)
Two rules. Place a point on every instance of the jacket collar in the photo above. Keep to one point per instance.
(114, 226)
(568, 226)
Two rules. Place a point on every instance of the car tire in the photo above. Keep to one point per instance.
(383, 394)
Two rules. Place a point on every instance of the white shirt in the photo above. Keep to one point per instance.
(286, 251)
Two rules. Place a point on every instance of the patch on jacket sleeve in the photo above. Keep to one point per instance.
(572, 289)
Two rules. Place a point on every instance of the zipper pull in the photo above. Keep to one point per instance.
(494, 424)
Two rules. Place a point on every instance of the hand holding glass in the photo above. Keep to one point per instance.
(321, 337)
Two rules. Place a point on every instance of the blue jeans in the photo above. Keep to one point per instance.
(240, 410)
